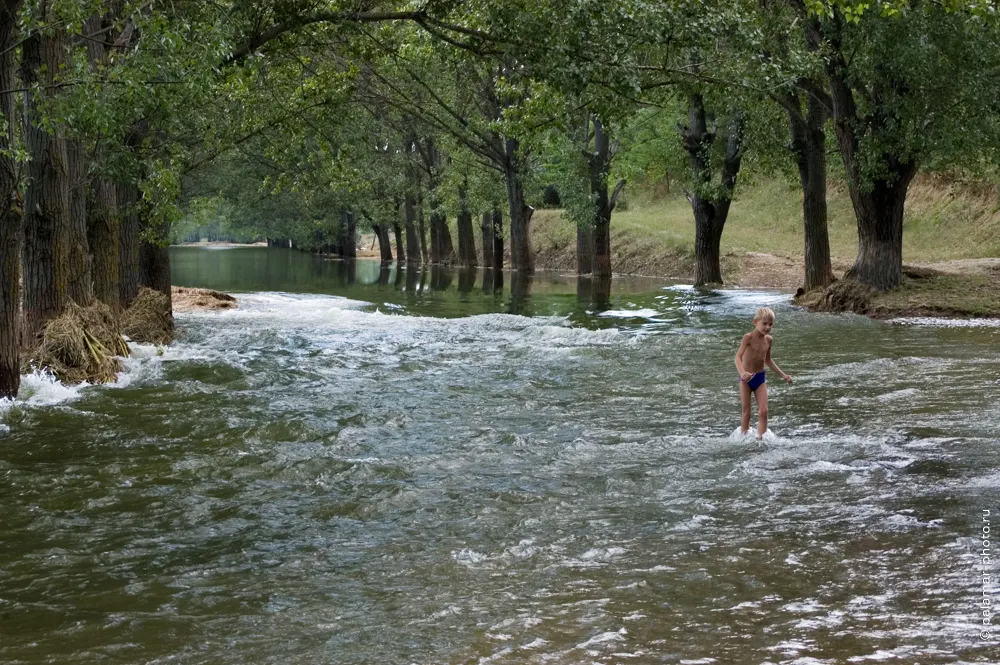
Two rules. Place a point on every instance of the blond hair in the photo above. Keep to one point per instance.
(764, 314)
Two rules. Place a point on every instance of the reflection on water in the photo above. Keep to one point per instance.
(433, 290)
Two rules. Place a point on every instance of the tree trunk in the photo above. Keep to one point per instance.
(128, 248)
(707, 239)
(447, 246)
(154, 257)
(10, 215)
(584, 249)
(348, 234)
(104, 238)
(498, 242)
(384, 248)
(604, 205)
(46, 219)
(486, 226)
(521, 256)
(441, 240)
(880, 231)
(710, 209)
(154, 267)
(434, 246)
(466, 234)
(878, 205)
(412, 242)
(103, 223)
(809, 147)
(421, 230)
(397, 230)
(80, 286)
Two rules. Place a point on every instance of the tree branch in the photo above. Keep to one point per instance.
(614, 195)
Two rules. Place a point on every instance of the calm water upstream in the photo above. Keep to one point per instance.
(380, 467)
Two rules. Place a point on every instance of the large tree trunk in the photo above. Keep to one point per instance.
(412, 242)
(707, 239)
(486, 226)
(466, 234)
(10, 215)
(521, 257)
(46, 219)
(80, 287)
(880, 231)
(809, 147)
(128, 247)
(710, 209)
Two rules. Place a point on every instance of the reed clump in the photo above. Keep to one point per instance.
(81, 344)
(149, 319)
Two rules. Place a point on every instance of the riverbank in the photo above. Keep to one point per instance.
(951, 236)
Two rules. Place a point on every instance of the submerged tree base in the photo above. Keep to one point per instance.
(82, 344)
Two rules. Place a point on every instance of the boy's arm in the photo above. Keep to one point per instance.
(739, 356)
(770, 363)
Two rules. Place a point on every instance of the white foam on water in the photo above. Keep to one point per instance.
(945, 323)
(751, 435)
(630, 313)
(42, 388)
(604, 638)
(324, 320)
(906, 393)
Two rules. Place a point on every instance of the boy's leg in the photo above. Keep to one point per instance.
(744, 407)
(761, 395)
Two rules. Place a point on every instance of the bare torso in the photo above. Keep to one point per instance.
(755, 354)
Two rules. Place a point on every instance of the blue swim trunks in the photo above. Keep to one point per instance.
(756, 381)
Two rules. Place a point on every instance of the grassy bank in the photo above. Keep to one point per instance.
(655, 236)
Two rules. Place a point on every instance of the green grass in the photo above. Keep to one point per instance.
(944, 295)
(943, 221)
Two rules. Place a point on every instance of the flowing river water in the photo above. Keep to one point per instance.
(365, 466)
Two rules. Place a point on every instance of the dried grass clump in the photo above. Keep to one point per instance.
(149, 319)
(188, 299)
(82, 344)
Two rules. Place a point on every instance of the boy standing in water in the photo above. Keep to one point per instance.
(753, 354)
